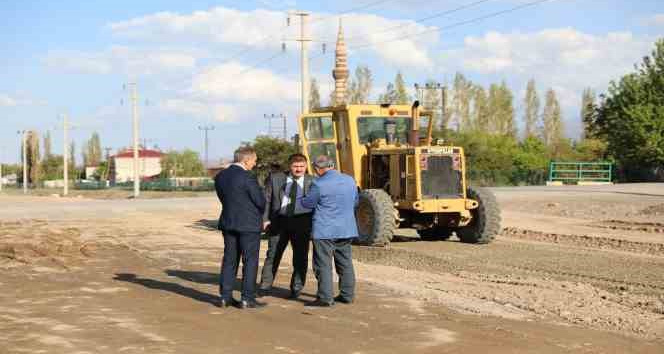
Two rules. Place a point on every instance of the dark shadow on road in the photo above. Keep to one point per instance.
(213, 278)
(205, 225)
(194, 276)
(166, 286)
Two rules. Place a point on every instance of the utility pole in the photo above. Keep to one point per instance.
(134, 113)
(108, 164)
(304, 59)
(423, 96)
(275, 131)
(65, 126)
(206, 128)
(285, 130)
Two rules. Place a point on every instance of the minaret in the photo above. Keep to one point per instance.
(340, 72)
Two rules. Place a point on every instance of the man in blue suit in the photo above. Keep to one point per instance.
(333, 197)
(241, 222)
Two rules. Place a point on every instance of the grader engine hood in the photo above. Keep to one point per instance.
(441, 172)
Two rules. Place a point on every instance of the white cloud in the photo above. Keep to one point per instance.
(555, 57)
(224, 26)
(7, 100)
(197, 109)
(130, 61)
(217, 25)
(655, 20)
(228, 91)
(565, 59)
(234, 81)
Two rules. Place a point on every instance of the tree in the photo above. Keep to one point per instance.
(32, 157)
(587, 108)
(630, 117)
(531, 161)
(552, 125)
(481, 114)
(47, 144)
(272, 154)
(461, 102)
(92, 151)
(390, 94)
(501, 119)
(314, 95)
(52, 167)
(360, 87)
(72, 159)
(186, 163)
(531, 110)
(402, 96)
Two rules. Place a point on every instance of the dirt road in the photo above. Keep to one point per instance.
(576, 270)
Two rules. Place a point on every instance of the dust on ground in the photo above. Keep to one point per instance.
(141, 277)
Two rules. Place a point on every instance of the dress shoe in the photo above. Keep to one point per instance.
(262, 292)
(294, 295)
(319, 303)
(343, 300)
(251, 304)
(223, 303)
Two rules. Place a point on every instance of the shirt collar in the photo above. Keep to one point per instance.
(291, 178)
(240, 165)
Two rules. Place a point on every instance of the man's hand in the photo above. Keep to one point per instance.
(265, 225)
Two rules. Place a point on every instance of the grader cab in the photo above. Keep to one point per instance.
(406, 180)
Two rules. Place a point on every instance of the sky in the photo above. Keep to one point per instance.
(220, 63)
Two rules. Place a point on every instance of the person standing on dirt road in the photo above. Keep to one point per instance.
(243, 204)
(333, 196)
(288, 221)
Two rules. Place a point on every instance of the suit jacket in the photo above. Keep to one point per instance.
(275, 188)
(333, 197)
(242, 200)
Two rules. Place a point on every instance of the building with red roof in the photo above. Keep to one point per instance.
(122, 165)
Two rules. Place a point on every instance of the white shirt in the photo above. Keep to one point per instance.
(299, 209)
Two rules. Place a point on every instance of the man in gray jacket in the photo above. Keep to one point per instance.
(333, 196)
(287, 221)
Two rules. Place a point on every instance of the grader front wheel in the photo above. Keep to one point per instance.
(375, 217)
(485, 224)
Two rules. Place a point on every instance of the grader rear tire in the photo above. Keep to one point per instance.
(375, 217)
(485, 224)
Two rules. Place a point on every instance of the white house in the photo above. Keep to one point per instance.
(122, 165)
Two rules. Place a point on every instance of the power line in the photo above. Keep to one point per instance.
(274, 35)
(264, 61)
(430, 17)
(454, 25)
(341, 13)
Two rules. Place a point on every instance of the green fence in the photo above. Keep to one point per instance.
(574, 172)
(164, 184)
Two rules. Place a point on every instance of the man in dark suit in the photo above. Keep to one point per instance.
(288, 222)
(243, 204)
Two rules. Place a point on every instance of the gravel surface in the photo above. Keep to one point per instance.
(575, 269)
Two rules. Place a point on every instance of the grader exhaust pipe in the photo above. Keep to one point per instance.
(413, 137)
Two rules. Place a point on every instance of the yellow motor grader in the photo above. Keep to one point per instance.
(406, 179)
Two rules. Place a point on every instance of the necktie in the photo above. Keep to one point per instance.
(292, 196)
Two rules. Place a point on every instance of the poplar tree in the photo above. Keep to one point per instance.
(531, 110)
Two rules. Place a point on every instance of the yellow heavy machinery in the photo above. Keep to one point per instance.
(405, 180)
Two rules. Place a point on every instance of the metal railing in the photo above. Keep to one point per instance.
(574, 172)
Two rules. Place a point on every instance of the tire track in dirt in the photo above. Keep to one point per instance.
(650, 227)
(603, 243)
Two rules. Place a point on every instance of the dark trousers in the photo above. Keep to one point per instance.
(339, 250)
(297, 231)
(236, 245)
